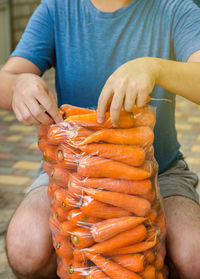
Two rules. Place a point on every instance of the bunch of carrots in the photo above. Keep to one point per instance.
(107, 216)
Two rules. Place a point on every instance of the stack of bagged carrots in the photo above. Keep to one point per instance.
(107, 217)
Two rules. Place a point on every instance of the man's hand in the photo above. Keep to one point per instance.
(33, 102)
(130, 84)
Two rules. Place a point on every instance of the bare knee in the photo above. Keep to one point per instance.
(28, 240)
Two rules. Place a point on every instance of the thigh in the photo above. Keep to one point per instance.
(183, 231)
(28, 235)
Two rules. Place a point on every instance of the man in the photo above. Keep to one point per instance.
(134, 48)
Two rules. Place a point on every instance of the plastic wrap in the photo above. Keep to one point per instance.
(107, 216)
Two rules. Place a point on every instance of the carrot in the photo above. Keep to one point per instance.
(61, 214)
(134, 204)
(67, 156)
(134, 262)
(122, 239)
(159, 275)
(93, 166)
(96, 273)
(149, 272)
(152, 216)
(132, 155)
(159, 263)
(65, 199)
(112, 269)
(54, 224)
(75, 184)
(133, 187)
(150, 196)
(57, 133)
(82, 238)
(79, 255)
(78, 134)
(136, 248)
(62, 246)
(42, 131)
(150, 256)
(52, 187)
(69, 110)
(60, 176)
(74, 269)
(66, 228)
(101, 210)
(109, 228)
(161, 224)
(142, 136)
(143, 116)
(49, 154)
(77, 218)
(47, 167)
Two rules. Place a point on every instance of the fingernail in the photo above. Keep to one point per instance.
(100, 119)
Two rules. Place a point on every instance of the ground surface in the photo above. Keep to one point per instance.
(20, 157)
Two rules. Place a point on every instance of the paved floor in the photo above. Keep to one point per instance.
(19, 159)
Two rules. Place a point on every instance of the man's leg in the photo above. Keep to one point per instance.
(28, 241)
(183, 235)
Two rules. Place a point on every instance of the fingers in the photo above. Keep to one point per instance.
(24, 115)
(116, 105)
(104, 101)
(49, 104)
(130, 98)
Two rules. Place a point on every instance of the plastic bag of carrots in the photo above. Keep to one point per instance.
(107, 216)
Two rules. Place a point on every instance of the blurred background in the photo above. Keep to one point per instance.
(19, 154)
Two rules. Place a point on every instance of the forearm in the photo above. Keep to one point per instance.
(180, 78)
(7, 81)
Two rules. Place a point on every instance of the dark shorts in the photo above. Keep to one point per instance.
(178, 180)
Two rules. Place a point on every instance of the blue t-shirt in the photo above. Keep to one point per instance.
(86, 46)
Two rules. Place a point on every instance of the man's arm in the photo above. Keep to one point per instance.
(132, 82)
(23, 91)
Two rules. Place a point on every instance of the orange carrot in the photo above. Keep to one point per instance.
(126, 238)
(49, 153)
(61, 214)
(78, 134)
(143, 116)
(60, 176)
(77, 218)
(93, 166)
(42, 131)
(62, 246)
(149, 272)
(112, 269)
(136, 248)
(66, 228)
(142, 136)
(96, 273)
(65, 199)
(79, 255)
(159, 263)
(75, 184)
(152, 216)
(47, 167)
(133, 187)
(150, 256)
(58, 133)
(134, 204)
(150, 196)
(52, 187)
(134, 262)
(69, 110)
(109, 228)
(67, 156)
(74, 269)
(101, 210)
(159, 275)
(132, 155)
(82, 238)
(161, 224)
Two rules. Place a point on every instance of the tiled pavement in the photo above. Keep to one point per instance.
(19, 159)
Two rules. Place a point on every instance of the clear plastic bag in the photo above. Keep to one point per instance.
(107, 215)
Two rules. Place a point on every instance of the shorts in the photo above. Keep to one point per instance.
(178, 180)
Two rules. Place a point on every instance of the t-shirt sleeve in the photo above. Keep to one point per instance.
(186, 29)
(37, 41)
